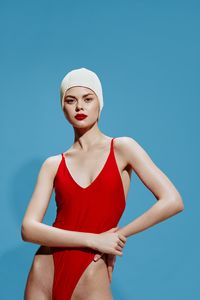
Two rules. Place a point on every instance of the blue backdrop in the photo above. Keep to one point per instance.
(146, 54)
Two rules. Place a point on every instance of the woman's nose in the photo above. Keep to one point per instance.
(79, 105)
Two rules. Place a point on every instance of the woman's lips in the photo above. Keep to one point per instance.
(80, 116)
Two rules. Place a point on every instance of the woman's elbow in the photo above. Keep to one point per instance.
(25, 231)
(177, 203)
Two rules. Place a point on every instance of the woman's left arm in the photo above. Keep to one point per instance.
(169, 199)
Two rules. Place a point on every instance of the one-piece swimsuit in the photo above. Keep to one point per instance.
(93, 209)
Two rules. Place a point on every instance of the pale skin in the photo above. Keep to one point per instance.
(89, 143)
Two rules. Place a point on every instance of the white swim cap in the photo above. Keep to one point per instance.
(82, 77)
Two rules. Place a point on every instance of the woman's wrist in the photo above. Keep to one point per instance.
(89, 240)
(120, 230)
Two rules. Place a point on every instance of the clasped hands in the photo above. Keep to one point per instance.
(118, 242)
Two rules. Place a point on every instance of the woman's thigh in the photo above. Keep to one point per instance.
(40, 278)
(94, 282)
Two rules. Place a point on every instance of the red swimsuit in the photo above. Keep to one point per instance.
(94, 209)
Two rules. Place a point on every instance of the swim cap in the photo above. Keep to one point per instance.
(82, 77)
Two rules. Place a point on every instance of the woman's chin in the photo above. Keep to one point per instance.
(83, 124)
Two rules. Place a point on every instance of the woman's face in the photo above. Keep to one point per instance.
(81, 100)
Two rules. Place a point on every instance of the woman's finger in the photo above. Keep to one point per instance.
(110, 264)
(110, 270)
(98, 256)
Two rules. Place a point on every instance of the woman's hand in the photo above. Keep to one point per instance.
(110, 259)
(110, 262)
(109, 242)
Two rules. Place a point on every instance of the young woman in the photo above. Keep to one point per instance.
(91, 182)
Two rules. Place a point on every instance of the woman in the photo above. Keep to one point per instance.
(91, 182)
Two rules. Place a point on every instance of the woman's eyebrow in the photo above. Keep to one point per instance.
(83, 95)
(88, 95)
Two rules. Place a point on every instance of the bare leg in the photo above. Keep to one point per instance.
(40, 279)
(94, 283)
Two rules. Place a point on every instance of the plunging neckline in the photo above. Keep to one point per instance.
(96, 178)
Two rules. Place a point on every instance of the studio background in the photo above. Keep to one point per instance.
(146, 54)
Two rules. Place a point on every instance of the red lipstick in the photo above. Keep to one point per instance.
(80, 116)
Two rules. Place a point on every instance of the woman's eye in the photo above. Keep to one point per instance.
(69, 100)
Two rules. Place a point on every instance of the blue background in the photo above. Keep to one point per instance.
(146, 54)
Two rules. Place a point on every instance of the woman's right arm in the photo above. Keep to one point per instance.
(32, 228)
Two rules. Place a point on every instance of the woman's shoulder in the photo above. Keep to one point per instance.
(123, 142)
(127, 146)
(130, 149)
(51, 163)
